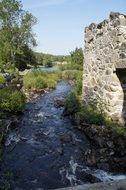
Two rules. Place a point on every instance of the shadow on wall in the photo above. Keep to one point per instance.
(121, 74)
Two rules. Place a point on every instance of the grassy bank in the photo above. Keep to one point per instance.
(2, 79)
(90, 115)
(48, 80)
(40, 80)
(11, 101)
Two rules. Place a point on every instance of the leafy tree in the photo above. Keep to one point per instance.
(15, 30)
(25, 57)
(77, 56)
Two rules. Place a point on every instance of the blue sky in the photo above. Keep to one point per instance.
(61, 23)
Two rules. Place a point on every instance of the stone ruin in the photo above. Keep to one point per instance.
(104, 77)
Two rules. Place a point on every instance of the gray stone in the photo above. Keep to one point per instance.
(123, 55)
(59, 102)
(105, 52)
(67, 138)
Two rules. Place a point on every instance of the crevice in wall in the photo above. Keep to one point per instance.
(121, 74)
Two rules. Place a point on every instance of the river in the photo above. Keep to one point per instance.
(45, 151)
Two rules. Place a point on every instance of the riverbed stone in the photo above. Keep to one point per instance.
(59, 102)
(66, 138)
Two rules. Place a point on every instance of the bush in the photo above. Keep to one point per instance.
(2, 79)
(11, 101)
(72, 104)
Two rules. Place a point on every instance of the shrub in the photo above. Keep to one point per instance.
(2, 79)
(11, 100)
(72, 104)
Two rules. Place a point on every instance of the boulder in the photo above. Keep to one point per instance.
(59, 102)
(66, 138)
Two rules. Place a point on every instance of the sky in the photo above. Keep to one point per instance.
(61, 23)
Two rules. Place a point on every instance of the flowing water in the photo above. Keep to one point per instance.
(46, 150)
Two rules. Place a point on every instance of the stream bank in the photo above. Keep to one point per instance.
(45, 150)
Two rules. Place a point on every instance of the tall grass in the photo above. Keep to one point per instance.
(2, 79)
(40, 80)
(76, 77)
(11, 101)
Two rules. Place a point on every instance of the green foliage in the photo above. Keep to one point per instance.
(89, 115)
(25, 57)
(77, 56)
(116, 129)
(11, 101)
(74, 71)
(40, 83)
(48, 64)
(86, 113)
(76, 77)
(40, 80)
(11, 70)
(15, 31)
(72, 104)
(70, 66)
(78, 83)
(71, 74)
(2, 79)
(45, 59)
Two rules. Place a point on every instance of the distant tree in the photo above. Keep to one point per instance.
(47, 60)
(77, 56)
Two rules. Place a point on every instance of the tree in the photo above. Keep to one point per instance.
(77, 56)
(15, 30)
(25, 57)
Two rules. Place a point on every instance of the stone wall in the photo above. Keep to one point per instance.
(104, 54)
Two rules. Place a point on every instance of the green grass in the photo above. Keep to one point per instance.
(70, 66)
(40, 80)
(2, 79)
(11, 101)
(76, 77)
(72, 104)
(91, 115)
